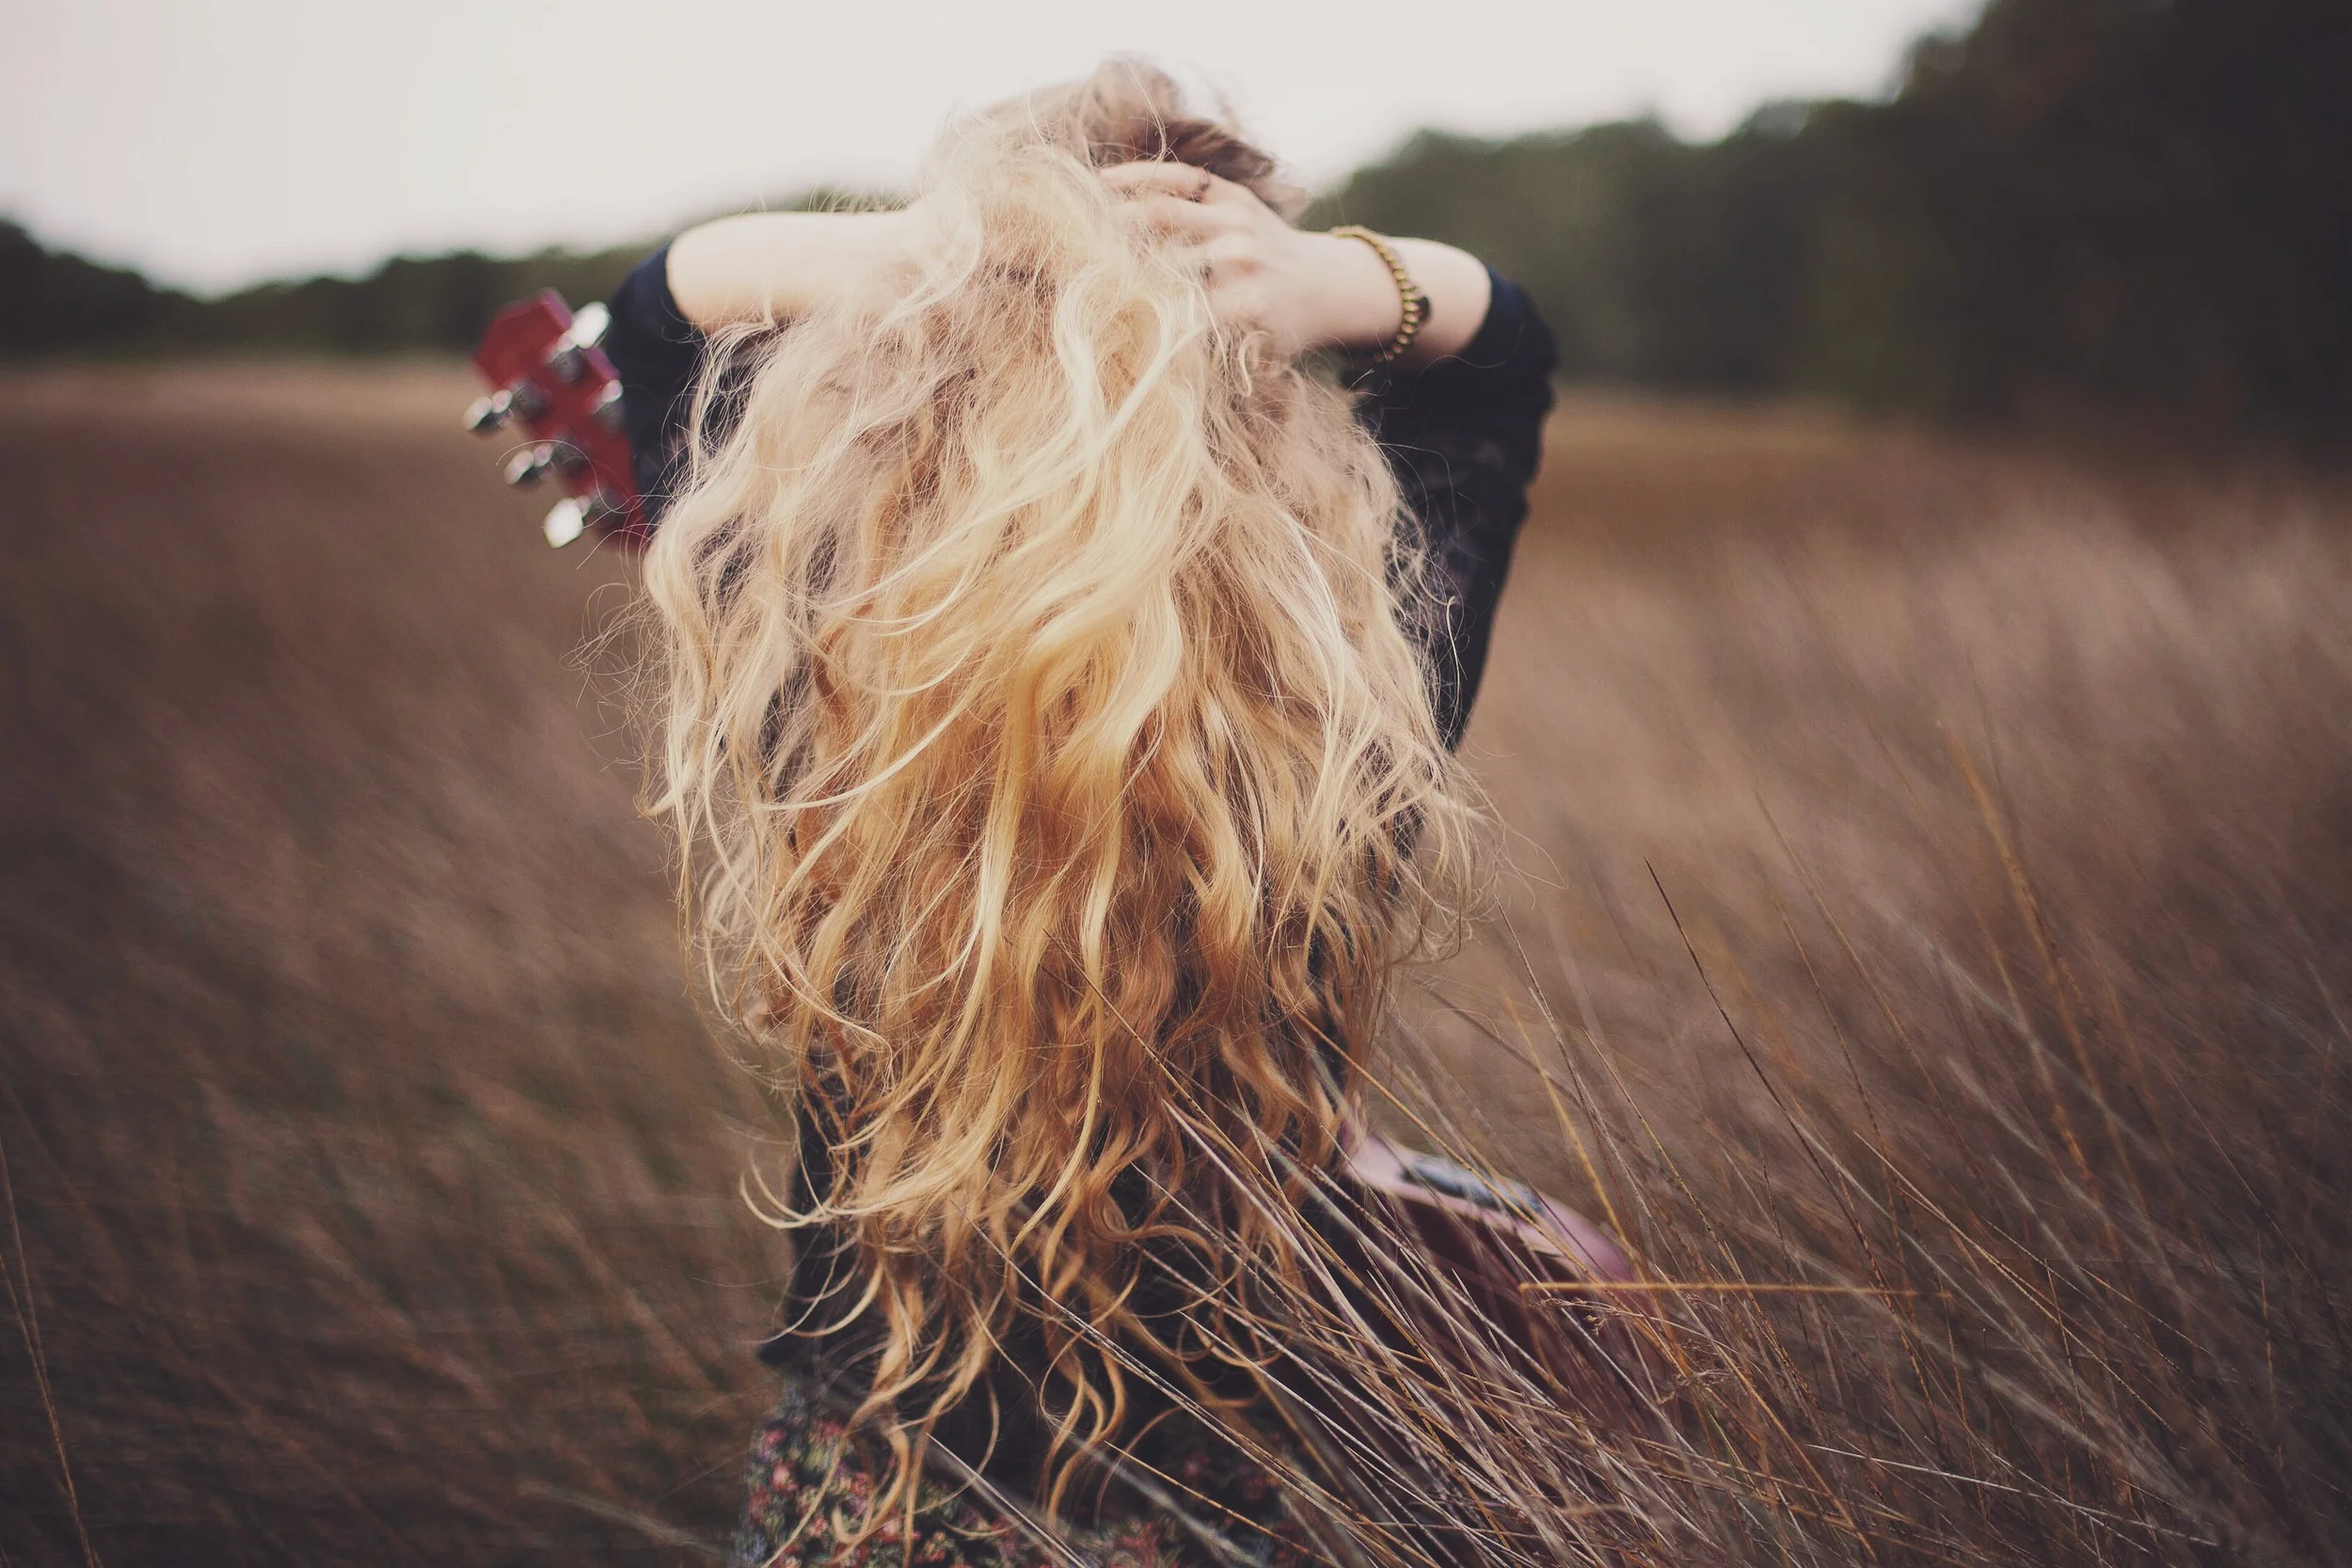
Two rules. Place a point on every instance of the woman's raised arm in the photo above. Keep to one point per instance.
(772, 266)
(1305, 289)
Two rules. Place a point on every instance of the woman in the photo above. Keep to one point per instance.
(1061, 678)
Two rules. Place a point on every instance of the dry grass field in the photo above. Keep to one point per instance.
(1922, 879)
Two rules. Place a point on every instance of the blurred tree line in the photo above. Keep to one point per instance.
(52, 303)
(2142, 206)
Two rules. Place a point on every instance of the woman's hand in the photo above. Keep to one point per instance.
(1304, 291)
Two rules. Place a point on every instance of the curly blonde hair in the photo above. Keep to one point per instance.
(1057, 780)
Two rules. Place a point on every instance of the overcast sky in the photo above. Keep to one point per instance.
(215, 142)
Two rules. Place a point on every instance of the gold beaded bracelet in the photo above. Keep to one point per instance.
(1415, 302)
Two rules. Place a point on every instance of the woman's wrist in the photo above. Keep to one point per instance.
(1361, 308)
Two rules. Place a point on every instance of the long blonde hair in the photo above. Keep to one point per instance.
(1057, 780)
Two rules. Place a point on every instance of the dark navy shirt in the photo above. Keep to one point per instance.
(1463, 435)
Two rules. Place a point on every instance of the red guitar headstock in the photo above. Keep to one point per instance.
(551, 384)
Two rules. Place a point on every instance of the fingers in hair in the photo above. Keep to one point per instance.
(1161, 177)
(1173, 215)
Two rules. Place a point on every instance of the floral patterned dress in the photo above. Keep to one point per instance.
(811, 1482)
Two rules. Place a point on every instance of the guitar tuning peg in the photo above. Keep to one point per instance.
(607, 411)
(529, 467)
(486, 414)
(567, 360)
(566, 520)
(572, 516)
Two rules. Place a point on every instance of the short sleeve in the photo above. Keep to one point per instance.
(1464, 435)
(657, 352)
